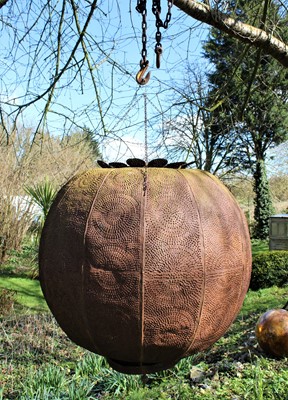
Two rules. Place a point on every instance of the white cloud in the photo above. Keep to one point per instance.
(122, 148)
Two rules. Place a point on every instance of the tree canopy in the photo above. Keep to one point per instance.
(54, 50)
(239, 25)
(244, 109)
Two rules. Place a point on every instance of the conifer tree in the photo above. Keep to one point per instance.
(263, 203)
(248, 97)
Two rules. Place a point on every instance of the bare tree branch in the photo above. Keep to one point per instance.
(244, 32)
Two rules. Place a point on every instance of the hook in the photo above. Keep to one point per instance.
(140, 76)
(158, 51)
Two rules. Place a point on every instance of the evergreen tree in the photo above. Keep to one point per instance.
(262, 202)
(249, 97)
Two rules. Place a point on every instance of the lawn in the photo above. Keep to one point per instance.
(28, 293)
(259, 245)
(39, 362)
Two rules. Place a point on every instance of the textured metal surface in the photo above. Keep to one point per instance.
(145, 266)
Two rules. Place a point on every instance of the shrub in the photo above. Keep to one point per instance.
(25, 161)
(269, 268)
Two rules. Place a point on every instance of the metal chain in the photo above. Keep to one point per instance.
(142, 9)
(144, 63)
(156, 9)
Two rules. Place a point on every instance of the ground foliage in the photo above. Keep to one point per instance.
(38, 361)
(269, 268)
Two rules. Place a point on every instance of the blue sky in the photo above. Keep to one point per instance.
(118, 27)
(182, 44)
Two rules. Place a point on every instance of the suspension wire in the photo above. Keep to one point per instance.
(145, 127)
(145, 175)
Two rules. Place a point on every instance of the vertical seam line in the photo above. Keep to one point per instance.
(202, 241)
(142, 262)
(84, 255)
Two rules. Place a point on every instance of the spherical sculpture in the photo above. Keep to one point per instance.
(272, 332)
(145, 265)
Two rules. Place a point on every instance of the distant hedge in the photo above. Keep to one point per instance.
(269, 268)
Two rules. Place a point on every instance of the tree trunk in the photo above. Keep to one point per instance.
(244, 32)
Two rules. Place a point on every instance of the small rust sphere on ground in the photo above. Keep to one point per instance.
(145, 265)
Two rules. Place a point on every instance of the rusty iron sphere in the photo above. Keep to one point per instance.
(145, 266)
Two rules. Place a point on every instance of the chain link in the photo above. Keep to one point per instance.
(142, 9)
(156, 10)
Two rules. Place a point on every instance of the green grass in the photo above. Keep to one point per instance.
(40, 362)
(259, 245)
(28, 294)
(23, 262)
(263, 299)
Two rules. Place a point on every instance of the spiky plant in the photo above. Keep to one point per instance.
(42, 194)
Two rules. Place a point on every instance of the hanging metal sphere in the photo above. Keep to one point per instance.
(145, 265)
